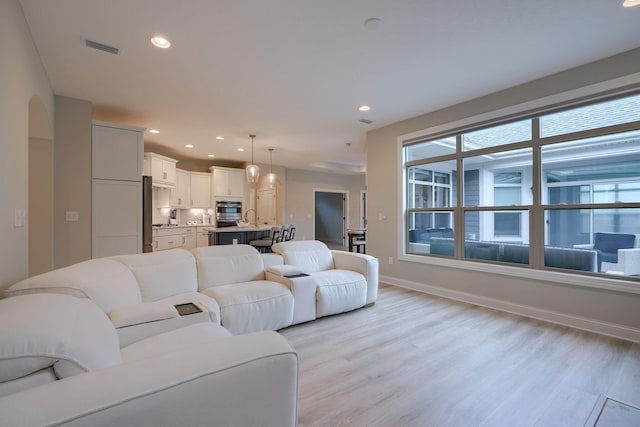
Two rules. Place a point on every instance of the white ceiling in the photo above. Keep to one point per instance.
(294, 72)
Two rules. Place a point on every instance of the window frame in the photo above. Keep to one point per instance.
(531, 110)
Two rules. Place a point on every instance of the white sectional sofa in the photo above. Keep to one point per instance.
(112, 347)
(61, 365)
(232, 285)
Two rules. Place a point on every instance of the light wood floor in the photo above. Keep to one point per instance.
(418, 360)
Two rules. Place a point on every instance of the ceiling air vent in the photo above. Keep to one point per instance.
(102, 47)
(366, 121)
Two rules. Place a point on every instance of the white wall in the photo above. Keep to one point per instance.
(613, 312)
(22, 77)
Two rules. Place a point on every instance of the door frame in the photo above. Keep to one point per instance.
(363, 209)
(345, 211)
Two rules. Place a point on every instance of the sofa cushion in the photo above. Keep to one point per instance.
(308, 255)
(162, 274)
(339, 291)
(40, 330)
(178, 339)
(253, 306)
(226, 264)
(105, 281)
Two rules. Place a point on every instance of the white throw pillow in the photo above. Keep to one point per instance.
(40, 330)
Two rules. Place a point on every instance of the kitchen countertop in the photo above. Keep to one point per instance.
(212, 228)
(237, 229)
(164, 226)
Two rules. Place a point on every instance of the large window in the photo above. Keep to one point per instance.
(555, 191)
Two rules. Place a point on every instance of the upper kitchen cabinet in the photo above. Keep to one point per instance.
(116, 151)
(200, 190)
(228, 183)
(161, 169)
(181, 195)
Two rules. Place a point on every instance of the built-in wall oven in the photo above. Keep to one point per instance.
(228, 213)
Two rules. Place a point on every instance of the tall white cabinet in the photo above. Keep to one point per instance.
(116, 190)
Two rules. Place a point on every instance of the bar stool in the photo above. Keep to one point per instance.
(264, 245)
(284, 233)
(357, 239)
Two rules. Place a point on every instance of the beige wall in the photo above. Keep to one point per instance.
(613, 312)
(40, 205)
(299, 197)
(72, 185)
(22, 78)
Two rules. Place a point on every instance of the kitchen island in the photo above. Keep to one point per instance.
(237, 235)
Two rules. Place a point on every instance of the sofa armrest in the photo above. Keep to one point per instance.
(366, 265)
(250, 380)
(303, 288)
(142, 313)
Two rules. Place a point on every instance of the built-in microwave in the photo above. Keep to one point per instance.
(228, 213)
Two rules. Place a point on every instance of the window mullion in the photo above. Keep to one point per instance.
(536, 217)
(458, 213)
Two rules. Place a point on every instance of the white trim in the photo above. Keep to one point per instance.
(578, 322)
(363, 210)
(573, 279)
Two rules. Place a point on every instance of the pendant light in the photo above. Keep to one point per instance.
(253, 171)
(271, 177)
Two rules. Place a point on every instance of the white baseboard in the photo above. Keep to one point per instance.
(578, 322)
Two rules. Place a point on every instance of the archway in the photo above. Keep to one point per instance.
(40, 203)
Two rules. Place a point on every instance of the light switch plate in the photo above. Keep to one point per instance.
(72, 216)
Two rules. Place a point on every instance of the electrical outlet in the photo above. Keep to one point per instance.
(72, 216)
(390, 260)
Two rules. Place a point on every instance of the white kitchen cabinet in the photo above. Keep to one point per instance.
(181, 195)
(228, 183)
(116, 152)
(174, 237)
(200, 190)
(202, 236)
(116, 189)
(116, 226)
(161, 169)
(167, 238)
(189, 238)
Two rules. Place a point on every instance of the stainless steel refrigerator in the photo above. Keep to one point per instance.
(147, 215)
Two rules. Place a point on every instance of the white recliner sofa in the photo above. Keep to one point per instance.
(61, 365)
(234, 276)
(324, 281)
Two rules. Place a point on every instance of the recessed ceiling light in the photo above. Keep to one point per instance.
(220, 138)
(240, 149)
(154, 131)
(189, 146)
(159, 41)
(364, 108)
(631, 3)
(210, 155)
